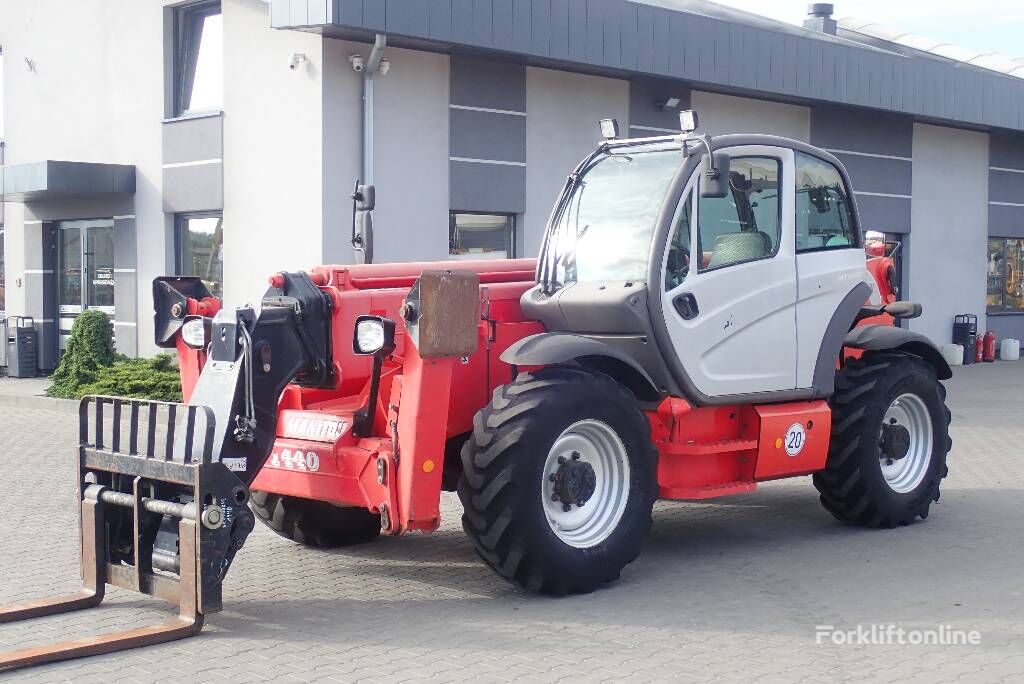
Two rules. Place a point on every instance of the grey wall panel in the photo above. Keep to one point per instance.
(1006, 326)
(488, 83)
(1006, 150)
(875, 174)
(126, 338)
(194, 139)
(884, 214)
(644, 95)
(194, 188)
(124, 243)
(1005, 221)
(599, 33)
(1005, 186)
(487, 188)
(484, 135)
(850, 129)
(439, 20)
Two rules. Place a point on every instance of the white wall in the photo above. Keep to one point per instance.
(273, 151)
(562, 111)
(342, 146)
(411, 157)
(95, 95)
(723, 114)
(949, 227)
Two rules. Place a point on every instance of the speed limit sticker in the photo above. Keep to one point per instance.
(796, 437)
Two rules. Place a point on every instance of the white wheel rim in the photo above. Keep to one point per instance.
(905, 474)
(597, 445)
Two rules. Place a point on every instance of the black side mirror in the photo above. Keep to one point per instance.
(364, 199)
(714, 175)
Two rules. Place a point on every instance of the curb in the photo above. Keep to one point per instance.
(65, 406)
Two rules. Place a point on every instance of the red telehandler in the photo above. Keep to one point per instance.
(702, 317)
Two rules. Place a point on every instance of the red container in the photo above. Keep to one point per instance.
(979, 349)
(990, 346)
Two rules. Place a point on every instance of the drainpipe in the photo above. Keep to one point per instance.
(371, 69)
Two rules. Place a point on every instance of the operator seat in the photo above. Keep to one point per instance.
(732, 248)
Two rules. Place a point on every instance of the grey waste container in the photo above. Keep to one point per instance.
(22, 346)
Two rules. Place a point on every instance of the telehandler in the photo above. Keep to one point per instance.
(702, 317)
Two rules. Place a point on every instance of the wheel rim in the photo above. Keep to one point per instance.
(909, 412)
(588, 462)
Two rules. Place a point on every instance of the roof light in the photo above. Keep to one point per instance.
(609, 129)
(688, 121)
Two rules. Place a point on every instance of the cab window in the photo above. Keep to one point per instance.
(678, 265)
(744, 225)
(824, 217)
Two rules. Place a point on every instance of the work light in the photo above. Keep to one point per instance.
(374, 334)
(609, 129)
(194, 332)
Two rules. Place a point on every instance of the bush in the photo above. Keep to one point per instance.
(90, 347)
(155, 378)
(91, 366)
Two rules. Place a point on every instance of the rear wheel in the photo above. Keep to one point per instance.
(315, 523)
(559, 480)
(890, 437)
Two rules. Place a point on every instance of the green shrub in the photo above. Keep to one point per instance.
(155, 378)
(90, 347)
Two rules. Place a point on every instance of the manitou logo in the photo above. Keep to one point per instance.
(314, 429)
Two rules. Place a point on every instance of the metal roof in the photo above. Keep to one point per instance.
(993, 61)
(705, 45)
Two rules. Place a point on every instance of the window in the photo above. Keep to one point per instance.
(481, 236)
(3, 274)
(200, 249)
(678, 265)
(823, 216)
(1005, 280)
(198, 58)
(744, 225)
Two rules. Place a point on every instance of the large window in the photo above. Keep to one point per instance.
(3, 275)
(824, 219)
(1005, 277)
(198, 58)
(744, 225)
(481, 236)
(200, 249)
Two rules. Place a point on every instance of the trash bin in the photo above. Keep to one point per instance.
(965, 333)
(3, 342)
(22, 347)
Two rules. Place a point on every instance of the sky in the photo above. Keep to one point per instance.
(978, 25)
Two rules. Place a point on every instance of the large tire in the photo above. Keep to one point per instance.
(506, 480)
(315, 523)
(859, 484)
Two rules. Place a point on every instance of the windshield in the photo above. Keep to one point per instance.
(605, 228)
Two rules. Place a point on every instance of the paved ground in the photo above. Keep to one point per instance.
(730, 590)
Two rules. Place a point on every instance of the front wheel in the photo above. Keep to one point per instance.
(890, 437)
(559, 480)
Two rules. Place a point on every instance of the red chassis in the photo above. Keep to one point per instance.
(425, 407)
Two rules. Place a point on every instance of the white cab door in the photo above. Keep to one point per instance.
(732, 317)
(829, 262)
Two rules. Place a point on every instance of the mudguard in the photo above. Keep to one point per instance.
(545, 349)
(882, 337)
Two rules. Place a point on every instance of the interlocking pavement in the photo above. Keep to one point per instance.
(730, 590)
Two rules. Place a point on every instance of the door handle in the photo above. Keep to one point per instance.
(686, 305)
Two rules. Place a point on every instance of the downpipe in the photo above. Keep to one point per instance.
(371, 69)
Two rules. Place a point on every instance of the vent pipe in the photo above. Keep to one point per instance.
(819, 18)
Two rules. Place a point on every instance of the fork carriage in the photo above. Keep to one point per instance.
(164, 520)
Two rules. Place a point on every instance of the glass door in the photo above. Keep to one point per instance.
(86, 262)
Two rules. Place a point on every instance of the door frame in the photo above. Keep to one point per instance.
(66, 311)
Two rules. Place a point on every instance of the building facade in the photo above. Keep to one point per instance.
(223, 138)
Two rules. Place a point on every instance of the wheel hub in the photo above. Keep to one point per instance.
(575, 481)
(895, 441)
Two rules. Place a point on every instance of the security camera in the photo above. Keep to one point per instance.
(297, 59)
(358, 63)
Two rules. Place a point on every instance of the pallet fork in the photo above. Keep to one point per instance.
(164, 521)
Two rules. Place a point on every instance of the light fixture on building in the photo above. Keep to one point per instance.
(30, 64)
(296, 60)
(668, 103)
(385, 67)
(609, 129)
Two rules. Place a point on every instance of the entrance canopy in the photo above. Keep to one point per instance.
(48, 180)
